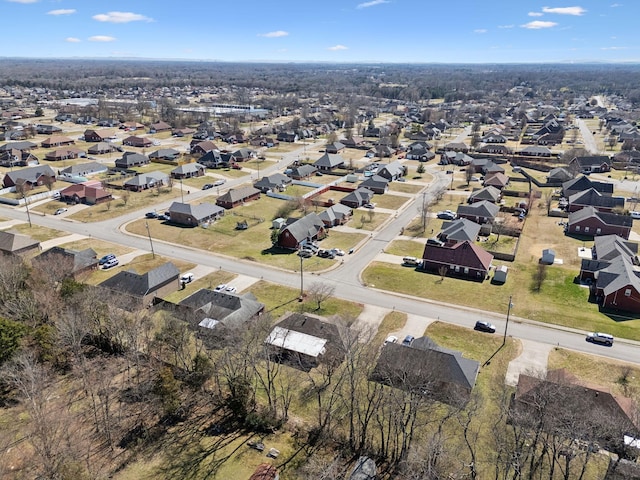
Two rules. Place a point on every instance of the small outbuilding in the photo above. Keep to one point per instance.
(500, 274)
(548, 256)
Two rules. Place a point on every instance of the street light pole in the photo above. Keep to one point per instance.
(504, 338)
(301, 280)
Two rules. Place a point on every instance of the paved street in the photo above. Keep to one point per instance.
(345, 278)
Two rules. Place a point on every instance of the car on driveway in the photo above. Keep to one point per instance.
(304, 253)
(187, 278)
(106, 258)
(337, 251)
(483, 326)
(446, 215)
(230, 289)
(220, 288)
(110, 263)
(408, 340)
(599, 337)
(60, 211)
(391, 339)
(370, 206)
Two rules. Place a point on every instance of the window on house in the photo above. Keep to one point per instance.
(627, 292)
(466, 271)
(457, 268)
(598, 231)
(577, 228)
(586, 229)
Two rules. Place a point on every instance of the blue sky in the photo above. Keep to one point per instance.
(420, 31)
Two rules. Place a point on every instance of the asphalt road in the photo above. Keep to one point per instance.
(587, 136)
(346, 277)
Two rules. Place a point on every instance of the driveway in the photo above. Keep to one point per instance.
(532, 360)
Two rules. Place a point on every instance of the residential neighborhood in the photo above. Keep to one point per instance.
(373, 280)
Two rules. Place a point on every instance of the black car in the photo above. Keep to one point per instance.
(151, 214)
(483, 326)
(207, 186)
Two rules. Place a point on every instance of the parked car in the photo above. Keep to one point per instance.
(408, 340)
(325, 253)
(483, 326)
(304, 253)
(369, 205)
(411, 261)
(187, 278)
(446, 215)
(220, 288)
(151, 215)
(391, 339)
(106, 258)
(230, 289)
(599, 337)
(337, 251)
(217, 183)
(163, 217)
(110, 263)
(207, 186)
(60, 211)
(635, 215)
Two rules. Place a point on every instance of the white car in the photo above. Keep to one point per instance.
(230, 289)
(186, 278)
(217, 183)
(60, 211)
(391, 339)
(635, 215)
(220, 288)
(337, 251)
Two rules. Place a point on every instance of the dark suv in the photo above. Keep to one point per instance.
(485, 327)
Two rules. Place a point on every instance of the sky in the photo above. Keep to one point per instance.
(396, 31)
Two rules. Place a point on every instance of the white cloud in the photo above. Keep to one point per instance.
(102, 38)
(535, 14)
(577, 11)
(276, 34)
(480, 30)
(538, 24)
(506, 26)
(615, 5)
(23, 1)
(72, 40)
(335, 48)
(121, 17)
(613, 48)
(62, 11)
(372, 3)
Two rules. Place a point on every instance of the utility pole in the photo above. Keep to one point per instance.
(153, 254)
(181, 191)
(301, 279)
(504, 338)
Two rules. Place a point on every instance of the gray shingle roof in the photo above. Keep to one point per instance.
(227, 308)
(131, 283)
(305, 227)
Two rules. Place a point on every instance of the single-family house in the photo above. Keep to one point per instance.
(30, 177)
(13, 243)
(335, 147)
(566, 401)
(135, 141)
(463, 259)
(337, 214)
(68, 262)
(590, 164)
(131, 126)
(216, 159)
(145, 181)
(83, 169)
(238, 196)
(188, 170)
(489, 193)
(392, 171)
(457, 147)
(359, 197)
(420, 151)
(159, 126)
(304, 342)
(427, 369)
(299, 231)
(276, 181)
(66, 153)
(194, 215)
(56, 141)
(588, 221)
(131, 159)
(302, 172)
(593, 198)
(102, 135)
(142, 288)
(243, 155)
(328, 162)
(90, 193)
(582, 183)
(170, 154)
(101, 148)
(479, 212)
(376, 183)
(559, 175)
(498, 180)
(288, 136)
(535, 151)
(494, 138)
(354, 141)
(199, 147)
(459, 230)
(182, 132)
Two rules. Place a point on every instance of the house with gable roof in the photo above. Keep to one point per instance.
(142, 288)
(194, 215)
(272, 183)
(392, 171)
(68, 262)
(359, 197)
(479, 212)
(337, 214)
(13, 243)
(488, 193)
(459, 230)
(131, 159)
(591, 164)
(145, 181)
(427, 369)
(590, 222)
(464, 260)
(189, 170)
(593, 198)
(31, 177)
(238, 196)
(298, 231)
(329, 162)
(582, 183)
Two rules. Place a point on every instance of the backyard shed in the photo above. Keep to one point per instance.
(548, 256)
(277, 223)
(500, 275)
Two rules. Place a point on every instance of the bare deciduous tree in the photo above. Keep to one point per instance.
(319, 292)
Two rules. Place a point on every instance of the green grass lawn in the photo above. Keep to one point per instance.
(253, 244)
(101, 247)
(405, 248)
(369, 220)
(41, 234)
(392, 202)
(404, 187)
